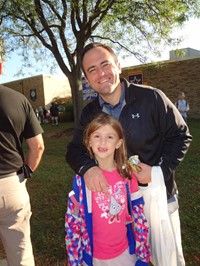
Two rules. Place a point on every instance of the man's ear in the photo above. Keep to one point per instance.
(119, 67)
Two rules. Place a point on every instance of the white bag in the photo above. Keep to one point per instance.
(162, 243)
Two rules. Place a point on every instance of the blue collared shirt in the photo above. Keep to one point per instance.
(113, 110)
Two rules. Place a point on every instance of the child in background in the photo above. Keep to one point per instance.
(107, 230)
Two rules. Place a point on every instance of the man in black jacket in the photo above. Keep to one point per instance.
(154, 129)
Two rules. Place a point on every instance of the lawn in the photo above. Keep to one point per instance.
(52, 181)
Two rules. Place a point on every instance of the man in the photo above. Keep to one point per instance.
(54, 114)
(154, 129)
(17, 122)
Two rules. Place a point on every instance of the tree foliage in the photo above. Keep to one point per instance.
(59, 29)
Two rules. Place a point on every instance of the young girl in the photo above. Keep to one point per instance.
(107, 230)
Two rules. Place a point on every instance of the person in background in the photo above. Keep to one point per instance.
(37, 113)
(154, 129)
(41, 114)
(54, 114)
(45, 112)
(182, 105)
(119, 229)
(17, 122)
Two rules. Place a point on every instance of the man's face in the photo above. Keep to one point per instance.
(102, 72)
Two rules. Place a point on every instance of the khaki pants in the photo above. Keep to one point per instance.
(15, 216)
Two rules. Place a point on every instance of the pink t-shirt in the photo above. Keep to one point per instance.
(110, 215)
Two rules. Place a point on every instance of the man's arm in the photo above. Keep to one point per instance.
(77, 155)
(175, 134)
(35, 151)
(175, 139)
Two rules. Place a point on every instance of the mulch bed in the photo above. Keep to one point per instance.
(65, 133)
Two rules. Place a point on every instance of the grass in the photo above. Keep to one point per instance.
(48, 191)
(51, 183)
(188, 180)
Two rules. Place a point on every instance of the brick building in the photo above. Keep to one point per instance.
(40, 90)
(172, 76)
(180, 73)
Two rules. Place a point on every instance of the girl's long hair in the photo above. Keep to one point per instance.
(120, 156)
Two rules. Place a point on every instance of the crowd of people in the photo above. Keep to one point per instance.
(48, 116)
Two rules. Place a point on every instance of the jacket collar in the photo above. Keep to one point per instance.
(129, 90)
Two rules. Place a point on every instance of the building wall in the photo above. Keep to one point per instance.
(169, 76)
(25, 86)
(46, 88)
(172, 77)
(59, 87)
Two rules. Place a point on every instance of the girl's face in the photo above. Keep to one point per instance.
(103, 142)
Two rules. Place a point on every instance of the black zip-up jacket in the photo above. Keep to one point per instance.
(153, 127)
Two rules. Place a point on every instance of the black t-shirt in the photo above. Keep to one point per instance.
(17, 122)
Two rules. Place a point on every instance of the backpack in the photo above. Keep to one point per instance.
(77, 238)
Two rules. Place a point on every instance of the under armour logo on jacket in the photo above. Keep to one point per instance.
(136, 115)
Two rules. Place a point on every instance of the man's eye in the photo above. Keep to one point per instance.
(92, 70)
(106, 65)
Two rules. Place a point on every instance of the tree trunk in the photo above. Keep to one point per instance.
(77, 95)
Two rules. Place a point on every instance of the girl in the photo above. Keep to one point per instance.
(107, 230)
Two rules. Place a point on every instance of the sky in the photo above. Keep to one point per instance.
(190, 33)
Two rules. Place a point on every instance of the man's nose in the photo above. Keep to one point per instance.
(100, 71)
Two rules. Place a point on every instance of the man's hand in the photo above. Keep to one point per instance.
(144, 177)
(95, 180)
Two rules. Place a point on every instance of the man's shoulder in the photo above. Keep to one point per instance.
(92, 106)
(89, 111)
(139, 90)
(137, 87)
